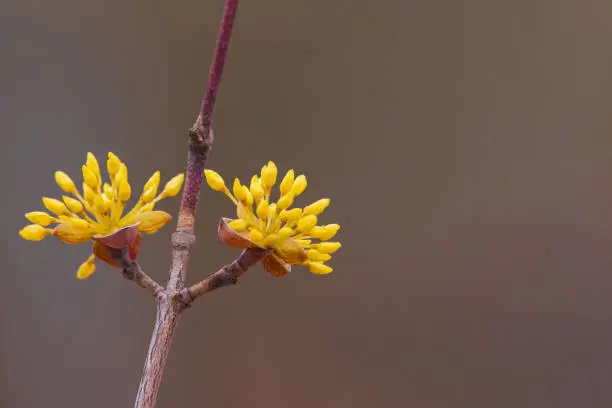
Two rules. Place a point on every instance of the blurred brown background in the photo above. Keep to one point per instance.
(467, 149)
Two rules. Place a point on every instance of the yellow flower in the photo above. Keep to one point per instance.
(289, 233)
(98, 214)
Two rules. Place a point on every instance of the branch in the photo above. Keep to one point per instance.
(133, 272)
(171, 305)
(228, 275)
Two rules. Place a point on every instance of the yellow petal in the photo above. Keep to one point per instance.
(152, 221)
(55, 206)
(306, 223)
(34, 232)
(73, 205)
(39, 217)
(173, 186)
(327, 247)
(299, 185)
(64, 182)
(87, 268)
(214, 180)
(319, 268)
(287, 183)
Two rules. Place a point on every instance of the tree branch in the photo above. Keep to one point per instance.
(171, 305)
(228, 275)
(133, 272)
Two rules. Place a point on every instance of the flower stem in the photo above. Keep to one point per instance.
(171, 306)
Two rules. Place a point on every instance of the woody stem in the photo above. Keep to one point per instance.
(171, 305)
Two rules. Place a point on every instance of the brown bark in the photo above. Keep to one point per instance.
(171, 304)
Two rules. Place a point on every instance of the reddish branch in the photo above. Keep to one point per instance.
(171, 303)
(133, 272)
(228, 275)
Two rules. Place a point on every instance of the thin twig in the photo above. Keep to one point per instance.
(171, 305)
(133, 272)
(228, 275)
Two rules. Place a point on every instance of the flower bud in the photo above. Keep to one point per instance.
(317, 207)
(214, 180)
(73, 205)
(53, 205)
(173, 186)
(40, 218)
(329, 231)
(64, 182)
(152, 221)
(268, 175)
(238, 225)
(125, 191)
(92, 164)
(152, 183)
(79, 223)
(287, 183)
(306, 223)
(87, 268)
(327, 247)
(34, 232)
(112, 164)
(319, 268)
(291, 216)
(317, 256)
(299, 185)
(257, 190)
(238, 191)
(256, 236)
(90, 178)
(285, 201)
(263, 210)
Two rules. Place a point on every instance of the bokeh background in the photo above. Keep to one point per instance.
(467, 149)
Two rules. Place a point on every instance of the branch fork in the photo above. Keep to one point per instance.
(174, 298)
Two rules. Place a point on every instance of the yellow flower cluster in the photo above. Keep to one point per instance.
(289, 232)
(98, 212)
